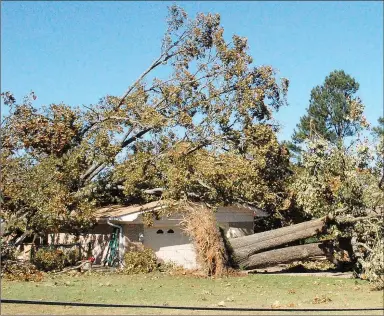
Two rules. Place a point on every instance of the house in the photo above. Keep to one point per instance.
(165, 236)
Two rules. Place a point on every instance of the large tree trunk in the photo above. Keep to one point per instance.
(285, 255)
(244, 247)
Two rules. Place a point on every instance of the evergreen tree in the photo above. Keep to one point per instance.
(334, 112)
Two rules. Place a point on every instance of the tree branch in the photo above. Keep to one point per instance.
(352, 220)
(95, 169)
(134, 138)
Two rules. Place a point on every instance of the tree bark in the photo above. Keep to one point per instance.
(285, 255)
(243, 247)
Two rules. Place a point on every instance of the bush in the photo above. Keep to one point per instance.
(143, 261)
(49, 259)
(71, 257)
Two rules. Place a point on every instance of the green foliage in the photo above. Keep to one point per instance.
(334, 112)
(335, 178)
(373, 266)
(39, 174)
(49, 259)
(72, 256)
(378, 133)
(256, 173)
(379, 130)
(140, 261)
(8, 252)
(58, 162)
(344, 182)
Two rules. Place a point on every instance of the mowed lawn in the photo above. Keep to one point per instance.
(259, 291)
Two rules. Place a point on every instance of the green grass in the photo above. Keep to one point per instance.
(261, 291)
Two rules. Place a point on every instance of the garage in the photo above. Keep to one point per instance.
(170, 244)
(165, 237)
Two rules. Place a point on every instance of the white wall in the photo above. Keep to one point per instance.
(171, 247)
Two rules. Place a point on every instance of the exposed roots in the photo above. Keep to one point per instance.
(200, 224)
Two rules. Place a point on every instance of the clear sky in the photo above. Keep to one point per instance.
(77, 52)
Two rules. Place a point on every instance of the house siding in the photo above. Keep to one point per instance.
(132, 231)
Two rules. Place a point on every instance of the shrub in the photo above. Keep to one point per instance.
(143, 261)
(49, 259)
(71, 257)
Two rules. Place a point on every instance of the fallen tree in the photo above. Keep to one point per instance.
(286, 255)
(251, 251)
(244, 247)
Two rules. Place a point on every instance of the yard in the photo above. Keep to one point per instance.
(258, 291)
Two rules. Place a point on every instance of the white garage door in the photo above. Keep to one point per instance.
(170, 244)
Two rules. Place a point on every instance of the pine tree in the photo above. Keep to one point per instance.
(334, 112)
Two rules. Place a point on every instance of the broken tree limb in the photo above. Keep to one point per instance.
(352, 220)
(22, 237)
(286, 255)
(243, 247)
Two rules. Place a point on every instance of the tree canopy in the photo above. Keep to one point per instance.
(212, 114)
(204, 132)
(334, 112)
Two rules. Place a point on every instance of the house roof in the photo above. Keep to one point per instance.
(119, 210)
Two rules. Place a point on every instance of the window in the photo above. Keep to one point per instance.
(170, 231)
(159, 232)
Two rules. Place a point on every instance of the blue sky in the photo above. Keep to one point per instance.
(77, 52)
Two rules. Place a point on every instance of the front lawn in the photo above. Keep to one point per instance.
(259, 291)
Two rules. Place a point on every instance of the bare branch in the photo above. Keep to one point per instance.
(164, 57)
(96, 168)
(154, 191)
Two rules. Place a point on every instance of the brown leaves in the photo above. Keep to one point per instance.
(200, 224)
(210, 98)
(185, 170)
(321, 299)
(20, 271)
(52, 132)
(140, 261)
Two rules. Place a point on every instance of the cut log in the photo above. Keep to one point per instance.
(243, 247)
(286, 255)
